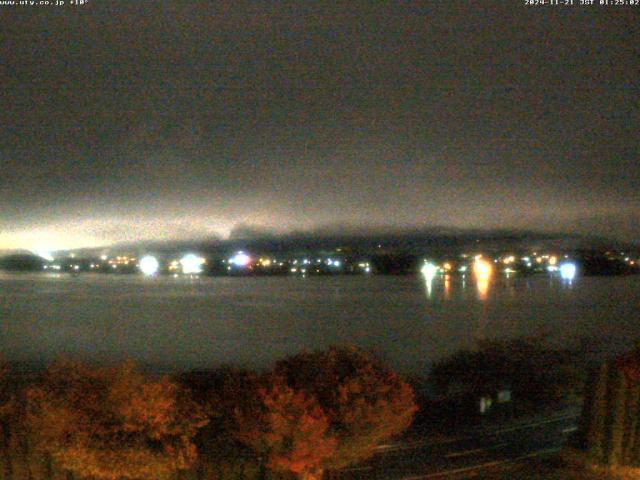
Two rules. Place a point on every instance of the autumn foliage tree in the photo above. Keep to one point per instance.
(290, 429)
(327, 410)
(113, 423)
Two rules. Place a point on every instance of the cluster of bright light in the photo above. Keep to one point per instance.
(122, 260)
(365, 266)
(240, 259)
(149, 265)
(191, 264)
(482, 268)
(568, 271)
(429, 270)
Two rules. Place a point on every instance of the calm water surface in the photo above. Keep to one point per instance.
(195, 323)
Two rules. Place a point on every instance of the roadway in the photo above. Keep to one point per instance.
(469, 452)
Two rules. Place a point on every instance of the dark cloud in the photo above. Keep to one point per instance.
(152, 119)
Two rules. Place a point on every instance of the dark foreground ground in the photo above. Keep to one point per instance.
(536, 447)
(566, 465)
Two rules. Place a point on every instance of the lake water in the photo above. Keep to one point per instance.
(195, 323)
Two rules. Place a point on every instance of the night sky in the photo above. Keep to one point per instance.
(154, 120)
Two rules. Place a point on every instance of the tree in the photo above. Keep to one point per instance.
(113, 423)
(290, 429)
(222, 393)
(363, 401)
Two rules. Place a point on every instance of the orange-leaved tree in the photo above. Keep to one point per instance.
(344, 400)
(365, 401)
(289, 428)
(112, 422)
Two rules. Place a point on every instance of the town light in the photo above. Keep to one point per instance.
(240, 259)
(149, 265)
(191, 264)
(429, 270)
(482, 268)
(568, 271)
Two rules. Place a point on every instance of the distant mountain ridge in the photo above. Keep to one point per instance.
(439, 240)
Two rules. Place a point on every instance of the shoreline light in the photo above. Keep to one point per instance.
(568, 271)
(191, 264)
(429, 270)
(240, 259)
(482, 268)
(149, 265)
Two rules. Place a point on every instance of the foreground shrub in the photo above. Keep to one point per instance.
(536, 374)
(113, 423)
(326, 410)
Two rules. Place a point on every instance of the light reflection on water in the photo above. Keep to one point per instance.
(482, 284)
(439, 287)
(447, 287)
(428, 283)
(200, 322)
